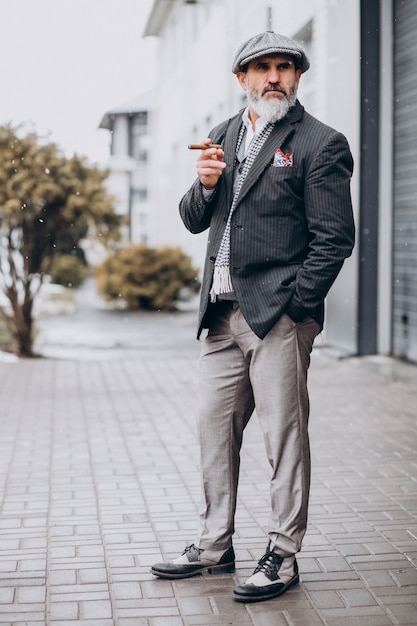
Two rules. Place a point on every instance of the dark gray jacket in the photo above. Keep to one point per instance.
(292, 226)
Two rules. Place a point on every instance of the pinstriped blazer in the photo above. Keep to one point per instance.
(292, 226)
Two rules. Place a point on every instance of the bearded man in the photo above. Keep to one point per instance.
(276, 197)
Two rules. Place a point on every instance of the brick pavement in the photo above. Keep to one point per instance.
(99, 479)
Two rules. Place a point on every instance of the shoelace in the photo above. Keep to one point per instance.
(193, 552)
(269, 565)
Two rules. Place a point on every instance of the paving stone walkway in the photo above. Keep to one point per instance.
(99, 479)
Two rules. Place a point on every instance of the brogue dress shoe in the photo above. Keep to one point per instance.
(272, 577)
(195, 561)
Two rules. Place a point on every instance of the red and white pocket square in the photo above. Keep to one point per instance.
(282, 160)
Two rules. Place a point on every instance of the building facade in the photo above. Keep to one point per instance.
(129, 164)
(362, 81)
(402, 168)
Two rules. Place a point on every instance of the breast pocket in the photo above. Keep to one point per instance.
(290, 171)
(282, 189)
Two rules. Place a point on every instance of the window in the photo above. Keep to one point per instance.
(138, 135)
(139, 196)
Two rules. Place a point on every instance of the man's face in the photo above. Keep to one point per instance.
(271, 83)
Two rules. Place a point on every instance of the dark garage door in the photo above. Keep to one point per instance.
(405, 181)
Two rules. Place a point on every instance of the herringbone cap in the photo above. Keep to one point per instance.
(269, 43)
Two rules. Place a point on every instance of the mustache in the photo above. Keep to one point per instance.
(274, 88)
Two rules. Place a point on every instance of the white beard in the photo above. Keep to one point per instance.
(271, 109)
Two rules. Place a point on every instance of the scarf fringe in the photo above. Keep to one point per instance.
(222, 282)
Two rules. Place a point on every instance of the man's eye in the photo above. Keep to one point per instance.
(284, 66)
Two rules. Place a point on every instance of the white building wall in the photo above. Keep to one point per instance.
(118, 184)
(341, 109)
(196, 90)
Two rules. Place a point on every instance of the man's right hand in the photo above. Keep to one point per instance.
(210, 166)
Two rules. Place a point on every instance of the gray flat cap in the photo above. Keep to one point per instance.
(269, 43)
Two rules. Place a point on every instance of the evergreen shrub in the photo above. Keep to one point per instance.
(147, 278)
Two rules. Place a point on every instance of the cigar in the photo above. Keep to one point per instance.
(203, 146)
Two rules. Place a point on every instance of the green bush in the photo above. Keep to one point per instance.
(67, 270)
(147, 278)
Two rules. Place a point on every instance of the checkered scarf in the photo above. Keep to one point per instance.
(221, 279)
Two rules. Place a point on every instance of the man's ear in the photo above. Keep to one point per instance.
(241, 76)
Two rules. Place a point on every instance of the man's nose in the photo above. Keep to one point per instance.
(274, 76)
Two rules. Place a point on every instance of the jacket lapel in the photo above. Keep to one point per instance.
(229, 147)
(277, 138)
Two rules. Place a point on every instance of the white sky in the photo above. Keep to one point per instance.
(64, 63)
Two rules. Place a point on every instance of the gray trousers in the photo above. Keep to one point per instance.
(238, 373)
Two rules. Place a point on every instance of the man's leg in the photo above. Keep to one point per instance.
(278, 373)
(226, 405)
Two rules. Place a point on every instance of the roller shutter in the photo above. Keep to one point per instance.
(405, 181)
